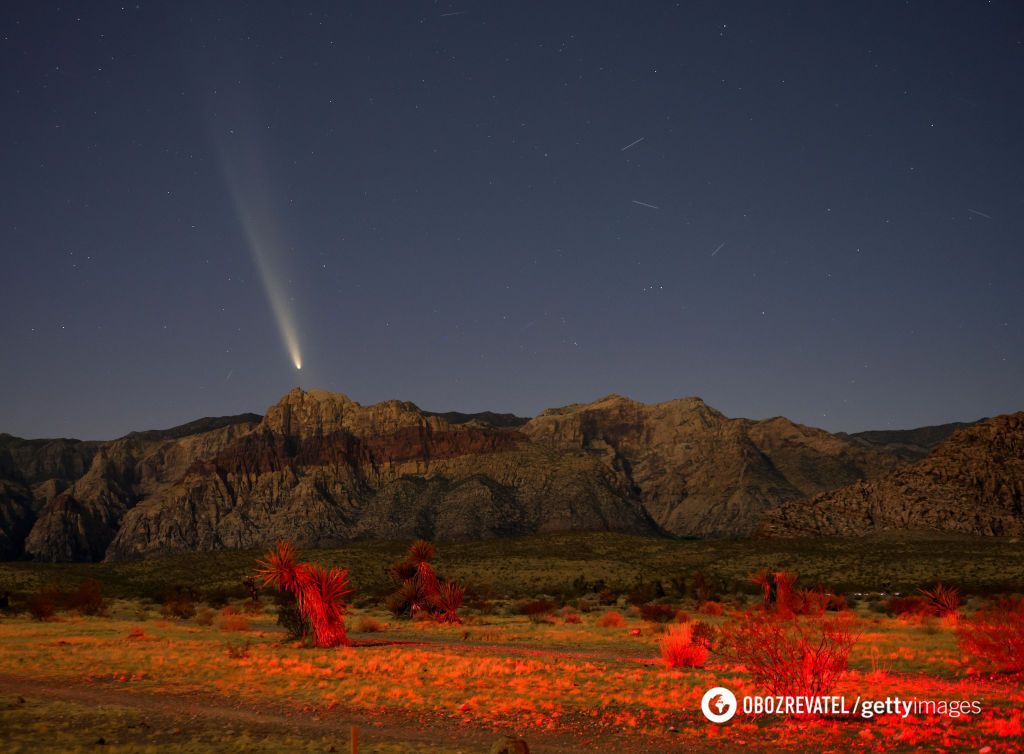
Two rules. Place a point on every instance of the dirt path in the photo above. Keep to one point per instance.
(184, 709)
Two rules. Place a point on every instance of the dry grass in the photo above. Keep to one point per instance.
(503, 672)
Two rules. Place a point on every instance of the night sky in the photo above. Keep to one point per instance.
(807, 209)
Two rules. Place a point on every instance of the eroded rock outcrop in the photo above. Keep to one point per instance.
(972, 483)
(699, 473)
(321, 469)
(79, 522)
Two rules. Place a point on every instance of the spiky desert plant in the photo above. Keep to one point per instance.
(320, 594)
(421, 551)
(417, 582)
(447, 600)
(324, 600)
(944, 600)
(279, 568)
(426, 587)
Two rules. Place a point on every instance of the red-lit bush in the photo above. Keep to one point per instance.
(994, 635)
(680, 650)
(943, 600)
(446, 602)
(801, 656)
(420, 593)
(320, 594)
(611, 619)
(912, 606)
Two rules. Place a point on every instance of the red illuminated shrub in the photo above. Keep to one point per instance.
(446, 602)
(780, 595)
(538, 611)
(712, 608)
(611, 619)
(320, 594)
(420, 593)
(995, 635)
(943, 600)
(802, 656)
(908, 607)
(368, 625)
(704, 634)
(230, 620)
(679, 650)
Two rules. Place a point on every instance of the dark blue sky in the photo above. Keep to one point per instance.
(446, 209)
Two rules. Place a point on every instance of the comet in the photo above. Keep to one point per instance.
(248, 181)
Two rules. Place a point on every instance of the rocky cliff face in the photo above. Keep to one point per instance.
(973, 482)
(321, 469)
(699, 473)
(74, 514)
(32, 472)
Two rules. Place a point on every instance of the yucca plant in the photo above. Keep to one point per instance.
(320, 594)
(447, 600)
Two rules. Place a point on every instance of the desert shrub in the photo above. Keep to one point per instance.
(231, 620)
(994, 635)
(798, 657)
(368, 625)
(290, 619)
(607, 597)
(537, 610)
(87, 599)
(712, 608)
(205, 616)
(912, 606)
(320, 594)
(178, 602)
(657, 612)
(679, 650)
(611, 619)
(780, 595)
(704, 634)
(42, 605)
(837, 603)
(180, 606)
(573, 618)
(943, 600)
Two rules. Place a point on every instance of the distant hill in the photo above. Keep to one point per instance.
(911, 444)
(489, 418)
(196, 427)
(972, 482)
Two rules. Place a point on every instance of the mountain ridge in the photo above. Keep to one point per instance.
(321, 468)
